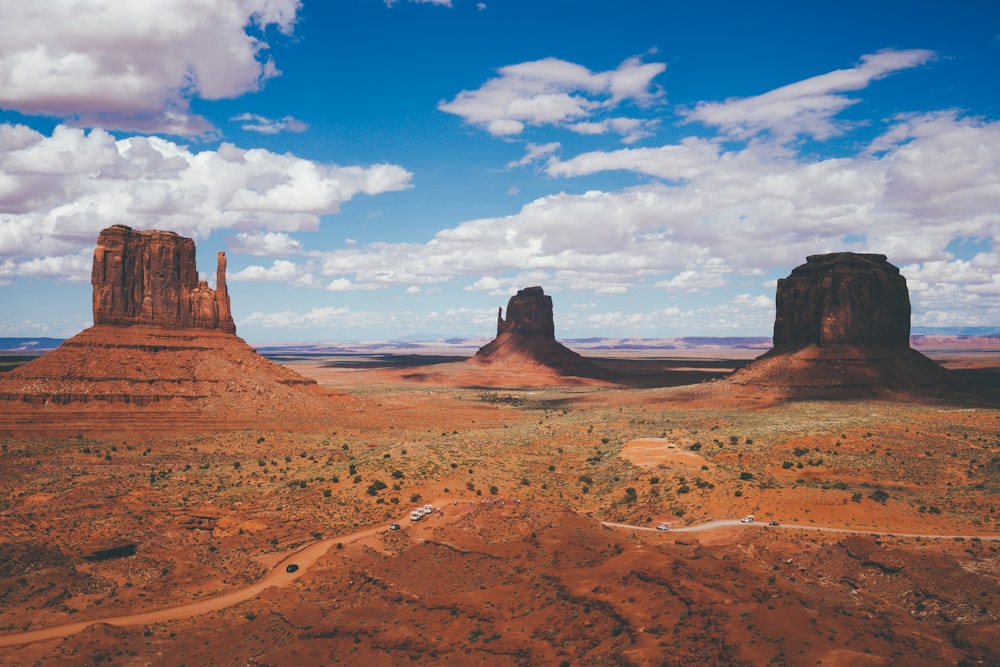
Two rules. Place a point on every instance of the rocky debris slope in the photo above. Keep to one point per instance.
(526, 339)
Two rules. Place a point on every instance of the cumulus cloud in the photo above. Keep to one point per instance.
(254, 123)
(281, 270)
(804, 108)
(57, 192)
(135, 65)
(719, 217)
(556, 92)
(270, 244)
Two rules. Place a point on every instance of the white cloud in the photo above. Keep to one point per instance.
(535, 152)
(317, 317)
(281, 270)
(687, 160)
(58, 191)
(724, 216)
(804, 108)
(254, 123)
(269, 244)
(135, 65)
(68, 268)
(556, 92)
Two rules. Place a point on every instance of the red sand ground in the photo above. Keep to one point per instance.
(535, 582)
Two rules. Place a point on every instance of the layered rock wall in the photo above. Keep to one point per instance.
(151, 278)
(842, 298)
(529, 313)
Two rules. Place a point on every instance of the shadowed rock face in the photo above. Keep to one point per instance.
(842, 330)
(843, 298)
(529, 313)
(150, 278)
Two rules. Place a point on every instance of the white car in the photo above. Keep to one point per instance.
(747, 519)
(663, 526)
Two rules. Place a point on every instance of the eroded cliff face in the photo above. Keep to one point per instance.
(529, 313)
(842, 298)
(151, 278)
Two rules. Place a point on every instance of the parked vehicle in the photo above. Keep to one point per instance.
(292, 567)
(393, 526)
(747, 519)
(773, 523)
(663, 526)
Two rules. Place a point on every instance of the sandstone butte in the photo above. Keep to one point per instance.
(842, 329)
(527, 340)
(163, 351)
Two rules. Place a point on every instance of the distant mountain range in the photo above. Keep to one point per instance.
(29, 344)
(921, 336)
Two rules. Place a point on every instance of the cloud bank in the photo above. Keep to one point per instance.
(135, 65)
(57, 192)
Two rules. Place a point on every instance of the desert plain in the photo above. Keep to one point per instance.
(139, 537)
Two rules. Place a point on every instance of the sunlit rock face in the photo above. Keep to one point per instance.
(842, 298)
(151, 278)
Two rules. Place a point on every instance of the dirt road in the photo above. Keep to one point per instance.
(734, 523)
(277, 576)
(308, 555)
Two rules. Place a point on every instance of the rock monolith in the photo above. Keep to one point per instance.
(842, 330)
(529, 313)
(842, 298)
(151, 278)
(526, 339)
(163, 343)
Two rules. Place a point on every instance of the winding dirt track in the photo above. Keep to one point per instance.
(733, 523)
(307, 556)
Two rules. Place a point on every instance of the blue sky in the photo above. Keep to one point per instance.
(381, 170)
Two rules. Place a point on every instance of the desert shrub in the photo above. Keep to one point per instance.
(397, 474)
(879, 496)
(586, 479)
(630, 495)
(787, 464)
(327, 493)
(745, 476)
(695, 447)
(415, 498)
(494, 490)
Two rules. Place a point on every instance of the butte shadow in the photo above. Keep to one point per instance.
(162, 355)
